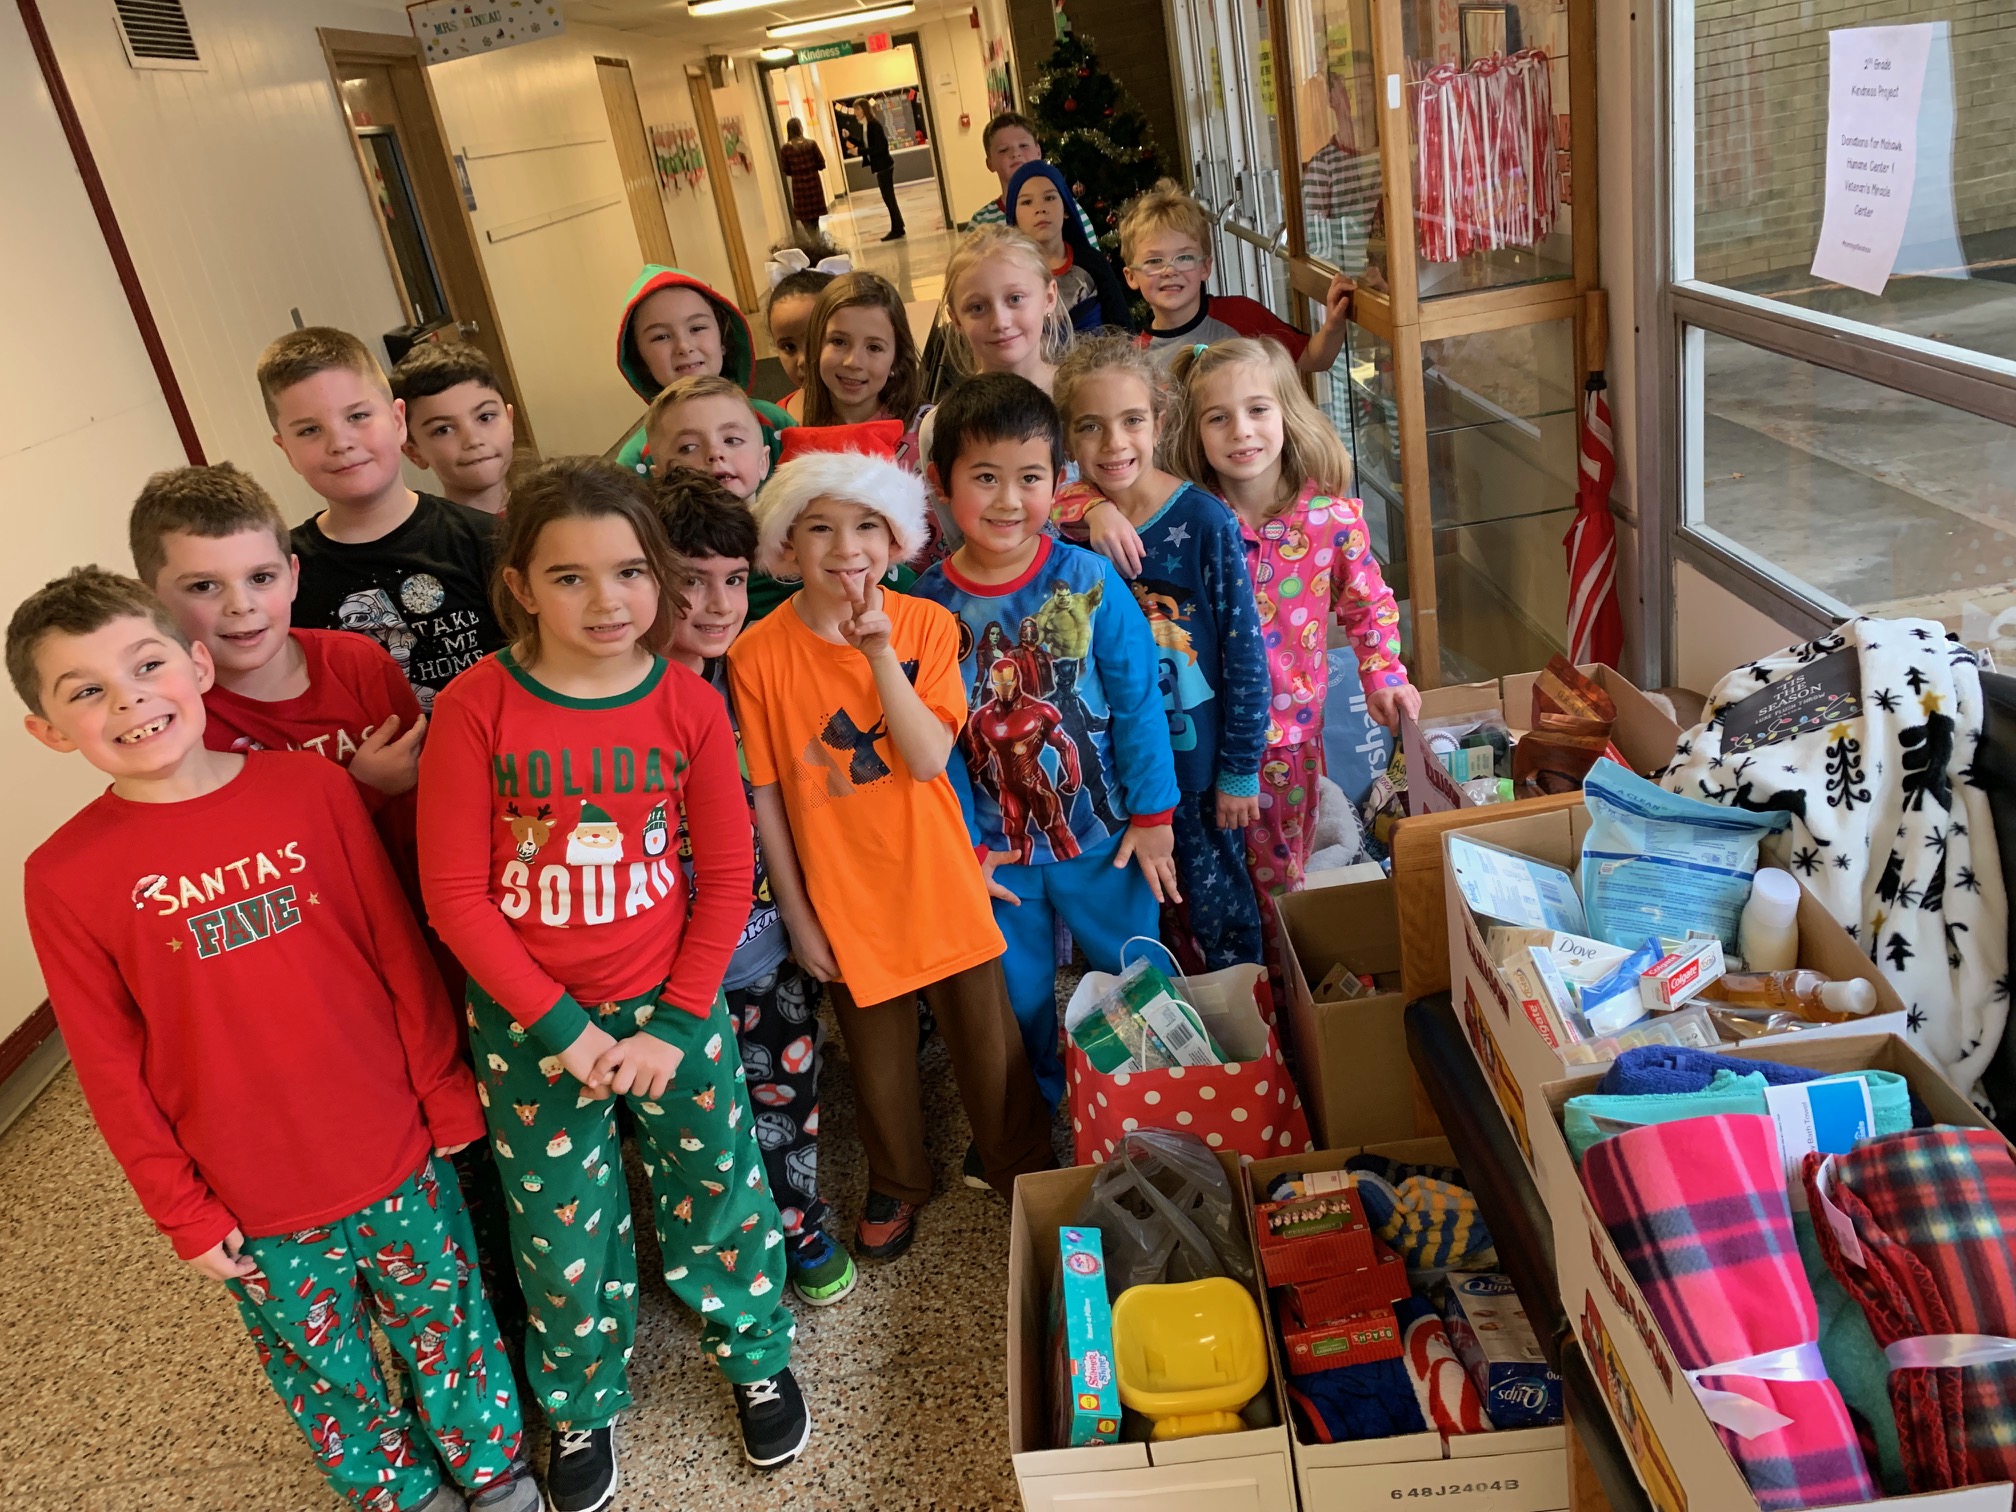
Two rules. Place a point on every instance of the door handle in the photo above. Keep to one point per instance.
(467, 328)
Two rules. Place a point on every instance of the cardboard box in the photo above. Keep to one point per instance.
(1678, 1456)
(1350, 1058)
(1517, 1060)
(1249, 1471)
(1525, 1470)
(1644, 734)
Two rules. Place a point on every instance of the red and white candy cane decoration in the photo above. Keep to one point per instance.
(1485, 176)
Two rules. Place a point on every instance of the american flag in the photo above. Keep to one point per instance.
(1595, 627)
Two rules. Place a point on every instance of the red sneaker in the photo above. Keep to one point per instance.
(886, 1228)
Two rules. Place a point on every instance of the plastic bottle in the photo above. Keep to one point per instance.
(1810, 995)
(1769, 932)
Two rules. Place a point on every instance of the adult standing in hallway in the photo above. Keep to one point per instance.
(876, 155)
(803, 162)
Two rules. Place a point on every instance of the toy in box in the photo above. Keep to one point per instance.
(1085, 1394)
(1312, 1238)
(1491, 1335)
(1357, 1340)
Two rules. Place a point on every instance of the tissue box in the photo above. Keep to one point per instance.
(1490, 1333)
(1087, 1405)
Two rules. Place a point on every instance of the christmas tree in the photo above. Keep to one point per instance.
(1093, 131)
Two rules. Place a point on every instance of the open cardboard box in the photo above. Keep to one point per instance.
(1226, 1472)
(1644, 735)
(1510, 1046)
(1521, 1470)
(1679, 1458)
(1351, 1063)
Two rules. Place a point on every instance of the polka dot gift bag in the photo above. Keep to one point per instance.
(1246, 1106)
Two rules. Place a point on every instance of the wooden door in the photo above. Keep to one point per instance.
(423, 218)
(724, 192)
(633, 155)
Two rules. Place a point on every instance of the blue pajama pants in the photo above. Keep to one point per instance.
(1102, 904)
(1219, 914)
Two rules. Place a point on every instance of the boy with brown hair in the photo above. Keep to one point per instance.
(267, 1050)
(1165, 244)
(708, 425)
(458, 425)
(850, 696)
(411, 570)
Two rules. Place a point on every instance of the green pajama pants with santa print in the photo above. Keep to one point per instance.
(562, 1165)
(406, 1260)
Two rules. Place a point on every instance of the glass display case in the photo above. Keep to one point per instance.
(1429, 150)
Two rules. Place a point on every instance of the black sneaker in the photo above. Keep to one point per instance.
(775, 1422)
(581, 1470)
(974, 1172)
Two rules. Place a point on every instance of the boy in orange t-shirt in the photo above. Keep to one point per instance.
(849, 696)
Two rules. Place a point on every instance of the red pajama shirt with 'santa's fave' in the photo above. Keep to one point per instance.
(553, 876)
(256, 1023)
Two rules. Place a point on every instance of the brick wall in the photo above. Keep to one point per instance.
(1761, 119)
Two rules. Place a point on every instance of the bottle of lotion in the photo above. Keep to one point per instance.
(1769, 932)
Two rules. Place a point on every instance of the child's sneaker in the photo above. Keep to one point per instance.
(821, 1271)
(775, 1422)
(974, 1172)
(887, 1226)
(518, 1494)
(581, 1471)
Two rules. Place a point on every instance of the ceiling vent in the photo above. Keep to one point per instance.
(156, 34)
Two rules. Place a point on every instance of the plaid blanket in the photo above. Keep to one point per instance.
(1932, 1211)
(1698, 1212)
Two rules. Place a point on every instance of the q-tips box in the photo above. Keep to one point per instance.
(1511, 1036)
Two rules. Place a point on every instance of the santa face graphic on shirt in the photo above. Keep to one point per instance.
(596, 840)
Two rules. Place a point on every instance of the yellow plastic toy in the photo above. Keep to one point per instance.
(1188, 1356)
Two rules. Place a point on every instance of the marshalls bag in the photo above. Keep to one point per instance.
(1249, 1106)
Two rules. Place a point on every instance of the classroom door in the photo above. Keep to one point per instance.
(418, 195)
(633, 154)
(724, 192)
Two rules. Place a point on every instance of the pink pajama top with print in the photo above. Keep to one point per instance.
(1311, 555)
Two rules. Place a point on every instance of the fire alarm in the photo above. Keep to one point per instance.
(965, 120)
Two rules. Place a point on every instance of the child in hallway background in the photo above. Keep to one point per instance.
(1041, 207)
(267, 1051)
(550, 789)
(850, 696)
(1067, 749)
(860, 358)
(410, 570)
(1193, 585)
(457, 424)
(1252, 436)
(773, 1001)
(674, 326)
(799, 273)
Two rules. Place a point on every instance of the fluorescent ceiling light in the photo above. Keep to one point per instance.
(845, 18)
(777, 54)
(722, 7)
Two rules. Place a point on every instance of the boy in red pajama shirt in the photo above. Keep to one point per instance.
(284, 1144)
(212, 545)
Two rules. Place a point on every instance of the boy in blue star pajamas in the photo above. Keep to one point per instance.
(1066, 749)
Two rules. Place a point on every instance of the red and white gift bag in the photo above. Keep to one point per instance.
(1249, 1107)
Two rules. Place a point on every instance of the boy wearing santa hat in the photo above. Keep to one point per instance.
(850, 695)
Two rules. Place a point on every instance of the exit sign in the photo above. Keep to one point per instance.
(878, 42)
(824, 51)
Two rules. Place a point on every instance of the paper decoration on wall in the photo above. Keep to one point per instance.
(450, 29)
(680, 160)
(735, 145)
(1000, 91)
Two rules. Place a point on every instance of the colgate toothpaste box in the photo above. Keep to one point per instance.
(1490, 1333)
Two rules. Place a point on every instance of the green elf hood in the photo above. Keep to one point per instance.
(738, 359)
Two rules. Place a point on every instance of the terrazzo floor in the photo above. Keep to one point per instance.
(127, 1385)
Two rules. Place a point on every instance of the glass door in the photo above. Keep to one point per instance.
(1257, 219)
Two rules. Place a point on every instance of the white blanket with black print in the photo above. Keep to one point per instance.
(1866, 738)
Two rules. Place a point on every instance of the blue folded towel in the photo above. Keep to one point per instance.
(1652, 1069)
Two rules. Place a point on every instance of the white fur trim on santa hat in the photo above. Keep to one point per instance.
(894, 492)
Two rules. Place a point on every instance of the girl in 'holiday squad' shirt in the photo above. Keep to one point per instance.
(550, 789)
(1252, 435)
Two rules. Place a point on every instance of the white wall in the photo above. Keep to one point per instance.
(239, 194)
(82, 423)
(1719, 631)
(559, 289)
(952, 50)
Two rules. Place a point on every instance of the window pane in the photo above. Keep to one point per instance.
(1760, 129)
(1337, 124)
(1357, 396)
(1487, 104)
(1885, 502)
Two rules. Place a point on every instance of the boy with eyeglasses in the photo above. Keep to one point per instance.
(1165, 242)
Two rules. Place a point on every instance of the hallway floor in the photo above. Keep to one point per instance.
(130, 1386)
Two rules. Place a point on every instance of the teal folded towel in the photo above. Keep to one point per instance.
(1857, 1367)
